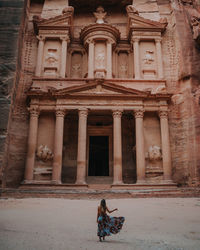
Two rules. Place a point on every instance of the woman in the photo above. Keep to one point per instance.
(107, 225)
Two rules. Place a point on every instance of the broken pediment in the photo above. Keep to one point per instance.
(99, 89)
(138, 23)
(58, 22)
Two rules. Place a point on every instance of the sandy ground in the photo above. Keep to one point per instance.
(153, 223)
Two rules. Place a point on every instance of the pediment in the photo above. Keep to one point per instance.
(58, 22)
(99, 89)
(137, 22)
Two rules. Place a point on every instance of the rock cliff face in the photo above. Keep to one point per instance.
(10, 20)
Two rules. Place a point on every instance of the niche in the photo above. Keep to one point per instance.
(76, 65)
(123, 64)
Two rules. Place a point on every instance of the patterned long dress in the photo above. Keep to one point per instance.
(108, 225)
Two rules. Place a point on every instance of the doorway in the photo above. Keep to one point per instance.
(98, 156)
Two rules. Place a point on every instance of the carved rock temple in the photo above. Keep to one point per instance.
(105, 92)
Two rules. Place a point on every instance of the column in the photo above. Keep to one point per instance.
(166, 152)
(136, 57)
(32, 141)
(109, 60)
(140, 154)
(91, 59)
(82, 139)
(58, 146)
(117, 145)
(39, 56)
(63, 57)
(159, 58)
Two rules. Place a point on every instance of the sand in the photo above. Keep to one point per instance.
(152, 223)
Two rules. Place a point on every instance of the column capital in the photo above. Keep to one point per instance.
(117, 113)
(158, 39)
(83, 112)
(65, 38)
(139, 113)
(110, 41)
(163, 114)
(34, 111)
(135, 39)
(90, 41)
(60, 112)
(41, 38)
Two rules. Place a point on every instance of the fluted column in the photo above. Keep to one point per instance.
(140, 154)
(63, 56)
(58, 146)
(117, 144)
(32, 141)
(109, 59)
(82, 140)
(159, 58)
(136, 57)
(91, 59)
(39, 55)
(166, 152)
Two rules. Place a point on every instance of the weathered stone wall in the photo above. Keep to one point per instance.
(185, 110)
(10, 19)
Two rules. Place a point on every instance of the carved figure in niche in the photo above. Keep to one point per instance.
(51, 59)
(195, 22)
(76, 70)
(100, 15)
(148, 59)
(100, 60)
(131, 10)
(123, 70)
(154, 153)
(44, 153)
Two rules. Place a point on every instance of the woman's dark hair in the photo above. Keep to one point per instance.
(103, 204)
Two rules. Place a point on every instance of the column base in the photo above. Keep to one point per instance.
(141, 182)
(56, 182)
(27, 182)
(80, 183)
(117, 183)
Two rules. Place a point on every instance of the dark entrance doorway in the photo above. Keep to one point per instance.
(98, 156)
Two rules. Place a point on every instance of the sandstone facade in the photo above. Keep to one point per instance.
(106, 92)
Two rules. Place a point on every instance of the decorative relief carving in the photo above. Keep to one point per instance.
(139, 113)
(117, 113)
(154, 153)
(195, 23)
(100, 60)
(34, 111)
(148, 58)
(44, 153)
(131, 10)
(51, 58)
(83, 113)
(100, 15)
(163, 114)
(60, 112)
(68, 10)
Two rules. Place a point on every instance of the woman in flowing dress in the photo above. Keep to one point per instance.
(107, 225)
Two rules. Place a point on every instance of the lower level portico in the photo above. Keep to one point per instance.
(76, 144)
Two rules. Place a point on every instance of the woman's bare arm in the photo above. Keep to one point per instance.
(110, 211)
(97, 214)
